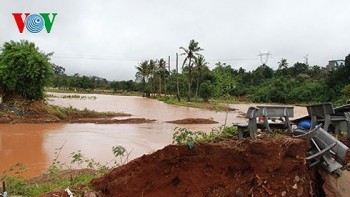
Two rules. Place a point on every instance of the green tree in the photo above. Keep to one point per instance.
(299, 68)
(201, 65)
(191, 53)
(206, 90)
(24, 70)
(283, 64)
(152, 67)
(143, 73)
(223, 80)
(161, 73)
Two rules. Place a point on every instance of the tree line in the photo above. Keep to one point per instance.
(298, 83)
(25, 71)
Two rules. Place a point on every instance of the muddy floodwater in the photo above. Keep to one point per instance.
(36, 145)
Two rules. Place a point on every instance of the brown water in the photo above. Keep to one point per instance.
(35, 144)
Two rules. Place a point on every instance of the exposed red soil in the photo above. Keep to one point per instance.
(193, 121)
(268, 167)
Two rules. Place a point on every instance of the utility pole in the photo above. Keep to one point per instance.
(165, 75)
(169, 63)
(266, 55)
(177, 77)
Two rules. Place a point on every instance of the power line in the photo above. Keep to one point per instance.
(141, 58)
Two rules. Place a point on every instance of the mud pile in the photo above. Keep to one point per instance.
(235, 168)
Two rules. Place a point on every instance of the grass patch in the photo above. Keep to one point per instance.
(183, 136)
(17, 185)
(216, 105)
(70, 112)
(60, 177)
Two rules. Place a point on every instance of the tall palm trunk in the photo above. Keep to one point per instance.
(144, 87)
(197, 88)
(190, 80)
(160, 85)
(164, 86)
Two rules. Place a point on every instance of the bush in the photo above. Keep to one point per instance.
(206, 90)
(24, 70)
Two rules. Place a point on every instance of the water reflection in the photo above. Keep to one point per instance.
(23, 143)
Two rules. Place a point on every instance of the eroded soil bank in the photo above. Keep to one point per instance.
(266, 167)
(40, 112)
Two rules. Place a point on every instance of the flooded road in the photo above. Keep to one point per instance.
(35, 144)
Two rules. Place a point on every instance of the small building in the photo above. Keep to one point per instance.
(332, 64)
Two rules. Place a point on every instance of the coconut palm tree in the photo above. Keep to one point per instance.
(201, 64)
(161, 72)
(143, 73)
(152, 72)
(282, 64)
(191, 54)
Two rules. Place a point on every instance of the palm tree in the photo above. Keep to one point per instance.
(152, 71)
(191, 52)
(201, 64)
(161, 71)
(282, 64)
(143, 73)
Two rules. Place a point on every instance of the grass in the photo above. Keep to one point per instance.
(59, 176)
(19, 186)
(216, 105)
(183, 136)
(66, 112)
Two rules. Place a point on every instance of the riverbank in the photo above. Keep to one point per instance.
(21, 111)
(95, 91)
(213, 105)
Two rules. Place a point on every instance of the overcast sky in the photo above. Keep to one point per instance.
(107, 38)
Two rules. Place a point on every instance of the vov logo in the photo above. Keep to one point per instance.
(34, 23)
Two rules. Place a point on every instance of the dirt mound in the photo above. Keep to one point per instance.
(21, 111)
(193, 121)
(246, 168)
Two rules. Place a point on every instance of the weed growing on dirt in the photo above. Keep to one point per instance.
(121, 156)
(185, 136)
(61, 176)
(13, 178)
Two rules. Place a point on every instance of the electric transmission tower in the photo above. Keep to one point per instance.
(266, 55)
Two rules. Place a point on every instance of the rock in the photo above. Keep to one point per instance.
(295, 186)
(284, 193)
(239, 193)
(300, 191)
(89, 194)
(296, 179)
